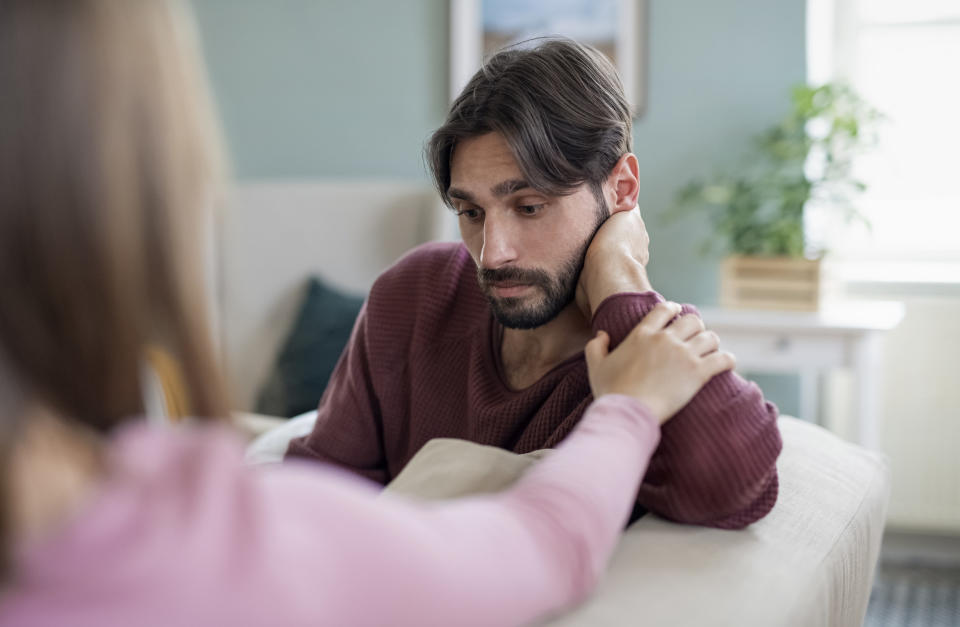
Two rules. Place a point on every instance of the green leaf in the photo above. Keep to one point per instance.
(758, 207)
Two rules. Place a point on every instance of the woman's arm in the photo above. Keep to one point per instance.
(535, 548)
(492, 560)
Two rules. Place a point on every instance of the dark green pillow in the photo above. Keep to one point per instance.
(310, 353)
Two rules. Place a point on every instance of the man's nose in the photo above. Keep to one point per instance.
(498, 242)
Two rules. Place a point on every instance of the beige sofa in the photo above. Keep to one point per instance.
(810, 562)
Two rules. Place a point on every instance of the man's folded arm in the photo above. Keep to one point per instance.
(716, 464)
(348, 431)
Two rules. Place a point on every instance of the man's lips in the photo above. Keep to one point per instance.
(508, 288)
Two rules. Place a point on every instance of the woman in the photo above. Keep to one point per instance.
(106, 163)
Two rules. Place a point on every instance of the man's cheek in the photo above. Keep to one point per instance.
(474, 244)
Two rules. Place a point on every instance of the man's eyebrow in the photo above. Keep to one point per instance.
(499, 190)
(508, 187)
(456, 192)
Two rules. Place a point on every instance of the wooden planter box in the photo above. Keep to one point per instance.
(770, 283)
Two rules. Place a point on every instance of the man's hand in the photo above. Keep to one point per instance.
(615, 262)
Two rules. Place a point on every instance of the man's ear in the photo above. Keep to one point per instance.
(623, 184)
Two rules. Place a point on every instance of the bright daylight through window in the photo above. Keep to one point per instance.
(904, 59)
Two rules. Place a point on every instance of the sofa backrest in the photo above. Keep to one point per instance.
(272, 236)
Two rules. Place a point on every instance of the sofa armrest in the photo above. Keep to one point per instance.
(252, 426)
(270, 446)
(809, 562)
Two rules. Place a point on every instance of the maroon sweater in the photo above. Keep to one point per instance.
(424, 362)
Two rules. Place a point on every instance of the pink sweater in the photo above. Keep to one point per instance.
(181, 533)
(424, 362)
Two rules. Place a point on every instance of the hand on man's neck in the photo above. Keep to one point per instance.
(615, 263)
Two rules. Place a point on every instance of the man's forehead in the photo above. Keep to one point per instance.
(484, 164)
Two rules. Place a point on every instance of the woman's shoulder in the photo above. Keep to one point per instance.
(179, 511)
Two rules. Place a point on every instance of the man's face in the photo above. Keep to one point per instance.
(529, 247)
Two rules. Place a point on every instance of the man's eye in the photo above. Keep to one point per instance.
(470, 214)
(530, 210)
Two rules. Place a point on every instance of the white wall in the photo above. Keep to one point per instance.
(920, 408)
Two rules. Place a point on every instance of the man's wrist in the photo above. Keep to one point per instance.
(618, 278)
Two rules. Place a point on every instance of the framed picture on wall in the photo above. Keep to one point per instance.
(479, 28)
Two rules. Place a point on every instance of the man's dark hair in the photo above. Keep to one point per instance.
(560, 107)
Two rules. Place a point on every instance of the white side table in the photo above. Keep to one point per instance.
(841, 335)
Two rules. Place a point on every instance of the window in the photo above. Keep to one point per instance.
(904, 59)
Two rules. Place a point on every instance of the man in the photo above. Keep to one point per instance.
(484, 340)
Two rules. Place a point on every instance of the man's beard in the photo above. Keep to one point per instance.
(558, 290)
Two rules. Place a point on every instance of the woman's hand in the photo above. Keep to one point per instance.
(661, 366)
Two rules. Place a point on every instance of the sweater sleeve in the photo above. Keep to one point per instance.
(499, 559)
(347, 432)
(716, 465)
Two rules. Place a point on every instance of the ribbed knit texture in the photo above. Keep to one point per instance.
(424, 362)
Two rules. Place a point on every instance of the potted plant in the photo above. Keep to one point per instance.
(757, 213)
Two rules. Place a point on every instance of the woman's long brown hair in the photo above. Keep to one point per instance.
(108, 157)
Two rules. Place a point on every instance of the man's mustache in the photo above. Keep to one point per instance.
(486, 276)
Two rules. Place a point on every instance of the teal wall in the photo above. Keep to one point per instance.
(327, 88)
(352, 88)
(719, 71)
